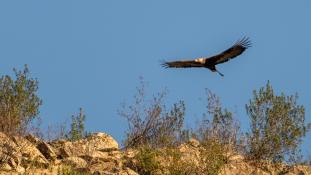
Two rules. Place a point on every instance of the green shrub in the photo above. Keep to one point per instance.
(147, 161)
(19, 102)
(171, 161)
(67, 170)
(150, 161)
(77, 129)
(212, 157)
(277, 126)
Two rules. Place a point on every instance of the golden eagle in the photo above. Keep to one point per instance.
(238, 48)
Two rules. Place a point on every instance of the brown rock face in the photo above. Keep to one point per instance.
(75, 162)
(97, 154)
(47, 151)
(95, 144)
(43, 147)
(18, 154)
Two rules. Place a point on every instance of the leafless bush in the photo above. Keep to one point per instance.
(35, 129)
(56, 131)
(218, 124)
(150, 123)
(75, 132)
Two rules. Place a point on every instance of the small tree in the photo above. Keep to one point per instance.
(77, 130)
(19, 103)
(277, 126)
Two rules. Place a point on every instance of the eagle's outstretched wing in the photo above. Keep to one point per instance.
(238, 48)
(182, 64)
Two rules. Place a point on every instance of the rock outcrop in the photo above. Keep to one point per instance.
(99, 154)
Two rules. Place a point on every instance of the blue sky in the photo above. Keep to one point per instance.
(91, 54)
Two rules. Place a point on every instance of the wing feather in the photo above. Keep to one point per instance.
(238, 48)
(182, 64)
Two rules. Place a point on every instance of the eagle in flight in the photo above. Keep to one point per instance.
(210, 62)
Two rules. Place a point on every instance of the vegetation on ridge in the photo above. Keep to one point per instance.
(277, 128)
(277, 125)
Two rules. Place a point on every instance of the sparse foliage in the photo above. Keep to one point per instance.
(77, 129)
(150, 123)
(56, 131)
(157, 134)
(19, 102)
(277, 126)
(218, 125)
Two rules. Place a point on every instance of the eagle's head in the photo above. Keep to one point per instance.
(200, 60)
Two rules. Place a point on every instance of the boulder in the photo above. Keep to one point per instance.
(32, 139)
(95, 145)
(194, 142)
(128, 171)
(43, 147)
(101, 142)
(19, 153)
(98, 153)
(76, 162)
(47, 151)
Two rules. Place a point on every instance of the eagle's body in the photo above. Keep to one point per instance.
(211, 62)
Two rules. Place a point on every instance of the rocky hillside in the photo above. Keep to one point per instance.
(99, 154)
